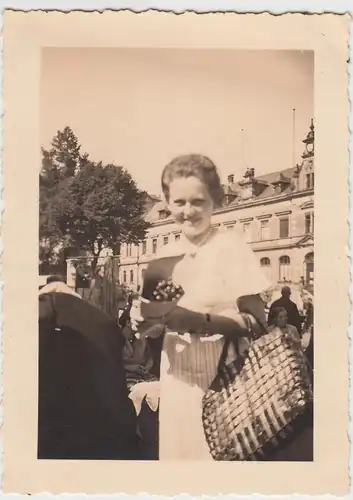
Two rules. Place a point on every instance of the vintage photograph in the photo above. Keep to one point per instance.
(175, 233)
(176, 274)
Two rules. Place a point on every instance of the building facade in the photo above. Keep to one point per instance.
(273, 212)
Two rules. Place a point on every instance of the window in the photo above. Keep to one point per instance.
(164, 214)
(309, 223)
(309, 268)
(284, 268)
(131, 276)
(265, 230)
(177, 237)
(124, 276)
(129, 248)
(284, 227)
(144, 247)
(165, 240)
(246, 231)
(154, 245)
(309, 183)
(265, 263)
(143, 273)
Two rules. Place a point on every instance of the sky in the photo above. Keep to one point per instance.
(141, 107)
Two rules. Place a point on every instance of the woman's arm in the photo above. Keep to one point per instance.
(250, 320)
(228, 323)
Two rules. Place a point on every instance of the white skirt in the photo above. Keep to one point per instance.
(188, 367)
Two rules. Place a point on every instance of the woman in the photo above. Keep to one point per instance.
(217, 269)
(300, 447)
(280, 320)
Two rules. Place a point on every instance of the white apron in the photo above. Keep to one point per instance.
(222, 270)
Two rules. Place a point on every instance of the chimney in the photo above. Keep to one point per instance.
(231, 179)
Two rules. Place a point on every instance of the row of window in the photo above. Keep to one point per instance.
(283, 261)
(284, 266)
(264, 262)
(309, 184)
(265, 232)
(131, 276)
(155, 243)
(284, 226)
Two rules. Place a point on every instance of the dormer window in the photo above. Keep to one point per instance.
(281, 183)
(229, 198)
(251, 185)
(164, 213)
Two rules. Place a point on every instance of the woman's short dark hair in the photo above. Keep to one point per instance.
(277, 311)
(194, 165)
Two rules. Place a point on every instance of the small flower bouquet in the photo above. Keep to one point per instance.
(167, 291)
(160, 295)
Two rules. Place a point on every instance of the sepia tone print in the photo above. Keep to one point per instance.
(179, 326)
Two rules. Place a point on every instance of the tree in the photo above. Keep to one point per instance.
(64, 157)
(88, 205)
(59, 164)
(102, 207)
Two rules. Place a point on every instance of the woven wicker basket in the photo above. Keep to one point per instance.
(255, 401)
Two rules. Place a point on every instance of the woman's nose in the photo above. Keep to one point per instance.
(188, 210)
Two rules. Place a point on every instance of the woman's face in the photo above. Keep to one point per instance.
(191, 205)
(282, 319)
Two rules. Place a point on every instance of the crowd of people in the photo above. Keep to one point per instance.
(132, 389)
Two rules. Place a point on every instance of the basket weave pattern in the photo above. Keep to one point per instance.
(253, 401)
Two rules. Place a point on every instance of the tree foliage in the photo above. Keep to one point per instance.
(86, 205)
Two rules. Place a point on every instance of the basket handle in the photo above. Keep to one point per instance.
(227, 343)
(235, 342)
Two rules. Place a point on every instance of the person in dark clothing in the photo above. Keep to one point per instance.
(293, 315)
(309, 327)
(141, 358)
(55, 278)
(84, 409)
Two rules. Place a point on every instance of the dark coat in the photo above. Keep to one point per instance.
(84, 410)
